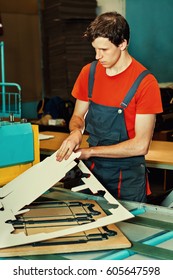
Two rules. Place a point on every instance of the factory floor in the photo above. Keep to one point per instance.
(156, 179)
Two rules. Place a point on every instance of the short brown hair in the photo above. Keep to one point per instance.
(111, 25)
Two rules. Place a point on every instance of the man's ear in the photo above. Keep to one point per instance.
(123, 45)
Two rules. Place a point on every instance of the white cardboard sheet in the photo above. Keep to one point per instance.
(31, 184)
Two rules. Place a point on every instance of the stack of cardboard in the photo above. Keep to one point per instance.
(65, 51)
(65, 9)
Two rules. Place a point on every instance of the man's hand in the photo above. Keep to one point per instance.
(70, 144)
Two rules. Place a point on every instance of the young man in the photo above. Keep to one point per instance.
(118, 113)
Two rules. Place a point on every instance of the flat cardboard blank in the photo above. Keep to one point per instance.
(51, 216)
(31, 184)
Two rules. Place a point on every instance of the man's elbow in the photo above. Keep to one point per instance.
(143, 149)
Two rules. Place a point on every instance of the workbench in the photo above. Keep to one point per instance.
(150, 232)
(160, 153)
(148, 228)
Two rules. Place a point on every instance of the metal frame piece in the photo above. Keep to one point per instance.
(11, 101)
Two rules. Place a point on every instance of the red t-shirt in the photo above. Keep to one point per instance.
(111, 90)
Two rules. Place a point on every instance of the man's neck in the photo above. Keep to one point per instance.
(123, 63)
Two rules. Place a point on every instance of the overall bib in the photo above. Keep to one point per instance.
(124, 178)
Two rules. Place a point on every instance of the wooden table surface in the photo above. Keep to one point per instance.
(160, 154)
(51, 145)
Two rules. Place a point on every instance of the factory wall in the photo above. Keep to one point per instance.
(151, 35)
(151, 41)
(22, 47)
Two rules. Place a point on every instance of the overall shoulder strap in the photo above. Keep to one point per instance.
(91, 77)
(133, 89)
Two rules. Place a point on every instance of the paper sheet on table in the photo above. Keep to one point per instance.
(45, 136)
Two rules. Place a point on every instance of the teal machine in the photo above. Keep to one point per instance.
(16, 138)
(16, 143)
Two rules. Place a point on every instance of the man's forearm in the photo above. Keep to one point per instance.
(124, 149)
(76, 123)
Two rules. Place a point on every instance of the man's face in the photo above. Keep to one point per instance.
(106, 52)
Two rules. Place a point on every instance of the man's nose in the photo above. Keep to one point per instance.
(98, 54)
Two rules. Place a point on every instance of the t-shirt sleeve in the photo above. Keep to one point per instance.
(148, 97)
(80, 88)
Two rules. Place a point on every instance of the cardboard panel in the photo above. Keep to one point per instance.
(51, 216)
(35, 182)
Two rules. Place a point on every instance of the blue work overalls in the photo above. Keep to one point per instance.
(124, 178)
